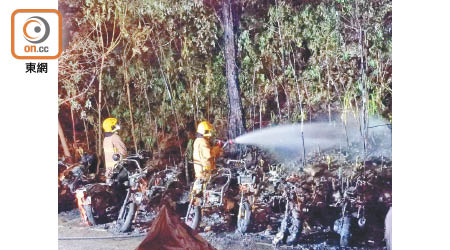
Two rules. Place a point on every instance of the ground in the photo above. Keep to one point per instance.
(71, 227)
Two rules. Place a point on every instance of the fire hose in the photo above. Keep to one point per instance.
(225, 143)
(104, 237)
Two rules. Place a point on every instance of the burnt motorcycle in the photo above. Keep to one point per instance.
(353, 207)
(247, 180)
(70, 178)
(134, 194)
(75, 176)
(207, 193)
(291, 224)
(160, 183)
(99, 202)
(266, 198)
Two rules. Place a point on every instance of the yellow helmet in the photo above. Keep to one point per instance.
(109, 124)
(205, 128)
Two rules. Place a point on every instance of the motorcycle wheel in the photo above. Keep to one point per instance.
(244, 220)
(280, 237)
(193, 217)
(337, 226)
(89, 215)
(129, 212)
(345, 232)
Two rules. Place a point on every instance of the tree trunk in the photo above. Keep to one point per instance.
(74, 132)
(364, 94)
(99, 107)
(127, 82)
(62, 138)
(300, 105)
(236, 125)
(86, 133)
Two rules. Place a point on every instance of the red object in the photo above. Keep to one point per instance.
(169, 232)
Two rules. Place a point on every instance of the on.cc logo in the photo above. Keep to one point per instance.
(36, 34)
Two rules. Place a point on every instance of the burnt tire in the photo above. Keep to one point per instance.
(345, 232)
(89, 215)
(125, 225)
(281, 235)
(193, 217)
(243, 221)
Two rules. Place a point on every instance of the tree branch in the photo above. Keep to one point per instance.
(82, 93)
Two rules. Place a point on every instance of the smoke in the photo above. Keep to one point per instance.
(285, 141)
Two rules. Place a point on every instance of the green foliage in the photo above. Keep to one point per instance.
(289, 54)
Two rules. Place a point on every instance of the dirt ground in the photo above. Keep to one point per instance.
(70, 228)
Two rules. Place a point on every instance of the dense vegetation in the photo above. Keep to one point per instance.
(159, 67)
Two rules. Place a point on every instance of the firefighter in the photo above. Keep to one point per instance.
(112, 144)
(204, 155)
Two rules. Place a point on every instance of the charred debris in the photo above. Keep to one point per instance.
(335, 198)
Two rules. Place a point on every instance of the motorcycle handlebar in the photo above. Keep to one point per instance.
(139, 155)
(127, 159)
(238, 161)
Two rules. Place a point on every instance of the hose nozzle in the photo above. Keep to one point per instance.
(228, 142)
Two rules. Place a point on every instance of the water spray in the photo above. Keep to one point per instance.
(293, 142)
